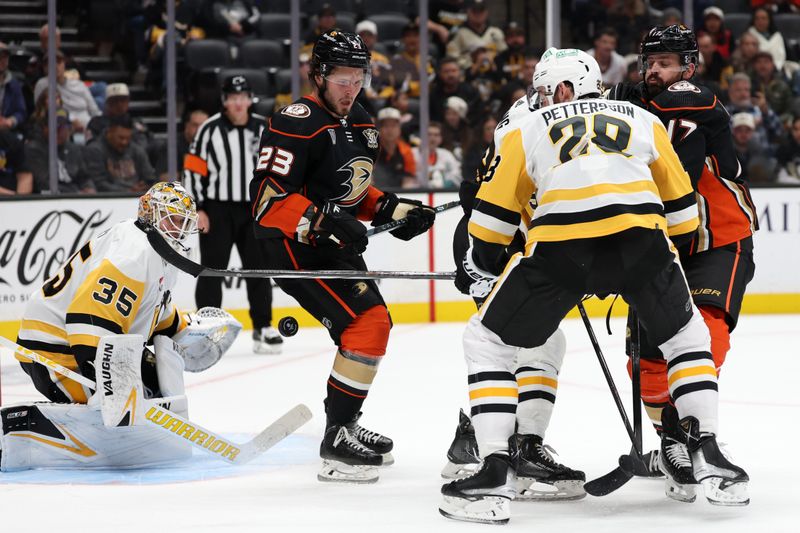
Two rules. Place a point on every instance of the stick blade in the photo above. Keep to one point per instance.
(608, 483)
(287, 424)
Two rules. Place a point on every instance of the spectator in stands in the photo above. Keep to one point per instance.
(510, 62)
(444, 170)
(769, 38)
(115, 164)
(285, 98)
(192, 119)
(326, 20)
(757, 165)
(394, 167)
(532, 56)
(12, 101)
(234, 20)
(15, 176)
(405, 64)
(76, 98)
(742, 57)
(382, 85)
(444, 17)
(612, 65)
(715, 69)
(448, 83)
(789, 155)
(475, 147)
(72, 177)
(768, 126)
(482, 73)
(37, 67)
(475, 30)
(409, 122)
(714, 26)
(32, 127)
(456, 129)
(117, 103)
(630, 18)
(767, 80)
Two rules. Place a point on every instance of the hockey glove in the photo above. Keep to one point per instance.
(419, 217)
(333, 224)
(627, 92)
(472, 280)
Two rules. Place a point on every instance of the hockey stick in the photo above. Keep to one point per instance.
(158, 415)
(170, 255)
(615, 479)
(399, 222)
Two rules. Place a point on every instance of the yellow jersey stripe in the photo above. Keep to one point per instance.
(596, 190)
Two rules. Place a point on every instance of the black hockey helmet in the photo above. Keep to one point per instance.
(674, 39)
(236, 84)
(336, 48)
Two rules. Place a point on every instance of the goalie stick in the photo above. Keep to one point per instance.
(170, 255)
(157, 415)
(394, 224)
(615, 479)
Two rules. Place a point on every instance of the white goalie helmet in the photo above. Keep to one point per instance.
(171, 211)
(560, 65)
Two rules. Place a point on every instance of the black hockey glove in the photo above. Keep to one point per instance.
(472, 280)
(627, 92)
(419, 217)
(333, 224)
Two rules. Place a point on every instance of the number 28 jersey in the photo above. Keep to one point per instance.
(596, 168)
(114, 284)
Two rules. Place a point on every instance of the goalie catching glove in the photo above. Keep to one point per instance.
(419, 217)
(334, 225)
(211, 331)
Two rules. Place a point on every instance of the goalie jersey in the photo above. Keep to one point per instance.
(114, 284)
(596, 167)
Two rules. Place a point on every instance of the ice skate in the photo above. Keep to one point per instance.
(345, 459)
(376, 442)
(674, 460)
(483, 497)
(723, 482)
(462, 457)
(539, 476)
(267, 341)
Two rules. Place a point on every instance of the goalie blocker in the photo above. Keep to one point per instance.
(102, 433)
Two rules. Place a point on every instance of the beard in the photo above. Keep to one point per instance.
(655, 86)
(341, 109)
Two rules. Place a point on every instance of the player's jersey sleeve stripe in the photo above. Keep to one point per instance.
(94, 320)
(493, 224)
(487, 235)
(686, 108)
(681, 203)
(40, 346)
(82, 339)
(170, 325)
(44, 327)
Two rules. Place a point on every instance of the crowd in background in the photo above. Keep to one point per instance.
(477, 67)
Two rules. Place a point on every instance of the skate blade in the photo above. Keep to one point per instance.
(486, 510)
(529, 489)
(388, 459)
(338, 472)
(458, 471)
(733, 495)
(679, 492)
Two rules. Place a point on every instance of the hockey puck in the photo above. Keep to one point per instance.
(288, 326)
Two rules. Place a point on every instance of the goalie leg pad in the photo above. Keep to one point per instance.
(73, 436)
(169, 366)
(118, 365)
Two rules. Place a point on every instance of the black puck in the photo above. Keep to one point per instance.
(288, 326)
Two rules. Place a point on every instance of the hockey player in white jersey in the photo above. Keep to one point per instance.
(610, 191)
(115, 284)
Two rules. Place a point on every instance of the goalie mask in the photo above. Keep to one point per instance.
(169, 209)
(576, 67)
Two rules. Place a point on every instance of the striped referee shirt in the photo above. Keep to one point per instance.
(221, 159)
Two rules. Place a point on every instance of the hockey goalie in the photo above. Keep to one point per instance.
(107, 315)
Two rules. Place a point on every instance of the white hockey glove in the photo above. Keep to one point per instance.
(480, 281)
(211, 331)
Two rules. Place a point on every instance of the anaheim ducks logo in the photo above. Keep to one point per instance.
(358, 181)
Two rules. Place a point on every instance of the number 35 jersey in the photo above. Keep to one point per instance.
(115, 284)
(596, 167)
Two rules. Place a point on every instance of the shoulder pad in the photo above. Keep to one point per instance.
(684, 94)
(303, 117)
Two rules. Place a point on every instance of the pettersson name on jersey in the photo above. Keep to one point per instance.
(575, 108)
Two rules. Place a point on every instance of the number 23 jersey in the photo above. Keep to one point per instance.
(596, 167)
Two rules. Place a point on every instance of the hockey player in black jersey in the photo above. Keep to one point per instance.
(310, 189)
(718, 260)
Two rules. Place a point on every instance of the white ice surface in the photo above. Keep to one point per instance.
(415, 400)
